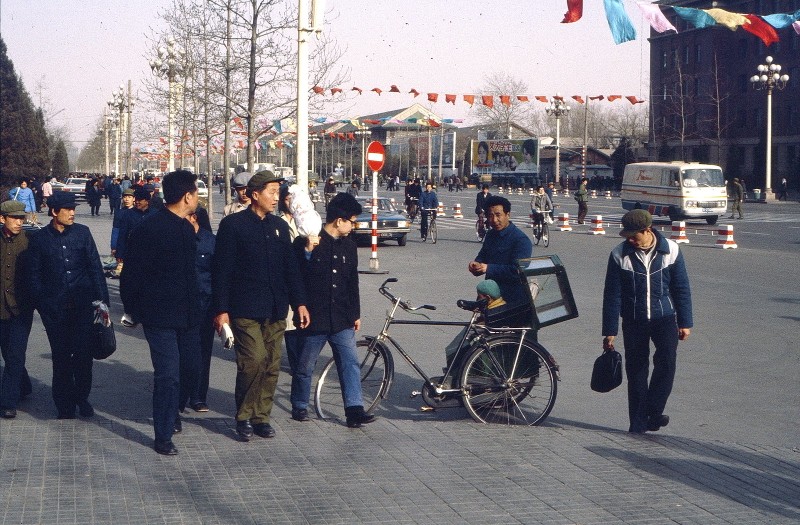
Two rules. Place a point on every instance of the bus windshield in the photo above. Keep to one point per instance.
(702, 177)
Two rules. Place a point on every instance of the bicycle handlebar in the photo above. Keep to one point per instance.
(403, 304)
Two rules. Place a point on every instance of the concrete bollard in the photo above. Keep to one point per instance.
(563, 223)
(679, 232)
(608, 194)
(457, 211)
(725, 239)
(440, 210)
(597, 226)
(593, 194)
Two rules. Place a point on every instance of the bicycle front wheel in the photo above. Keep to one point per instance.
(377, 369)
(545, 234)
(509, 383)
(432, 231)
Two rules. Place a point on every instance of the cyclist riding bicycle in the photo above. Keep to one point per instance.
(413, 192)
(428, 202)
(540, 205)
(480, 201)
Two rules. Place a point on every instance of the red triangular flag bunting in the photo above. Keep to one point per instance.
(433, 97)
(451, 99)
(357, 89)
(469, 99)
(377, 90)
(612, 98)
(415, 92)
(632, 99)
(505, 100)
(394, 89)
(578, 99)
(488, 100)
(761, 29)
(318, 90)
(541, 98)
(335, 90)
(522, 98)
(574, 11)
(598, 97)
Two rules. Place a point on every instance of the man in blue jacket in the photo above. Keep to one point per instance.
(503, 245)
(647, 284)
(427, 201)
(159, 288)
(66, 277)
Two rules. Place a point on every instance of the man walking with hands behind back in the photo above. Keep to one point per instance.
(255, 278)
(647, 284)
(159, 288)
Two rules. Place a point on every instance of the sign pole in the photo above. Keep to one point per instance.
(373, 258)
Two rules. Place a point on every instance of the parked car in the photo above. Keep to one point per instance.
(76, 186)
(202, 189)
(392, 223)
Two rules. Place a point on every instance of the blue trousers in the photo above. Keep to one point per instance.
(646, 400)
(348, 367)
(14, 382)
(69, 331)
(175, 354)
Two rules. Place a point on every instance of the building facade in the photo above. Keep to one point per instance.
(704, 107)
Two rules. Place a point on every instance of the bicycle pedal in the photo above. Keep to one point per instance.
(415, 393)
(426, 409)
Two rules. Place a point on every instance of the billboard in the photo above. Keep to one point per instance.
(517, 159)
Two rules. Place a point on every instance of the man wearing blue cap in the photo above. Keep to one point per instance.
(16, 312)
(66, 277)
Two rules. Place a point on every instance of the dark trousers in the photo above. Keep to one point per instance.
(424, 224)
(645, 400)
(69, 331)
(174, 353)
(114, 204)
(199, 391)
(294, 345)
(14, 382)
(583, 209)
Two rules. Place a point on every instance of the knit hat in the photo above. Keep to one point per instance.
(489, 287)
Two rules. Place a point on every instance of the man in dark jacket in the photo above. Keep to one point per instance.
(16, 311)
(66, 277)
(647, 284)
(159, 289)
(255, 278)
(503, 245)
(329, 264)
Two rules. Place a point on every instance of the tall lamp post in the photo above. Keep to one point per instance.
(769, 77)
(557, 108)
(121, 107)
(166, 64)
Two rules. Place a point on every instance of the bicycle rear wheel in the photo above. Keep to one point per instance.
(377, 369)
(508, 383)
(432, 231)
(545, 234)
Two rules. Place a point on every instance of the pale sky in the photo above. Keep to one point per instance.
(83, 50)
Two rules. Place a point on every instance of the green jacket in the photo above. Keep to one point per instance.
(15, 298)
(582, 195)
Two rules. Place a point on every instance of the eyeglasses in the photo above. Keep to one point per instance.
(352, 222)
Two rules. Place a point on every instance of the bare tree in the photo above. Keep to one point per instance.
(500, 116)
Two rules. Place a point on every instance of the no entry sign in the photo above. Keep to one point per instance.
(375, 156)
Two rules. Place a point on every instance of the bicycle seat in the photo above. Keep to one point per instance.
(471, 306)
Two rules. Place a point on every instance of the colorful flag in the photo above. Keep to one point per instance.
(433, 97)
(574, 11)
(578, 99)
(697, 17)
(781, 21)
(450, 98)
(622, 29)
(726, 18)
(761, 29)
(505, 100)
(469, 99)
(488, 100)
(652, 13)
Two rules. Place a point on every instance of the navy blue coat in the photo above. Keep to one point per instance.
(500, 251)
(64, 269)
(158, 285)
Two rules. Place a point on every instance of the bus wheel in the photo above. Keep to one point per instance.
(712, 220)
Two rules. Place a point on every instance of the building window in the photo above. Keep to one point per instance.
(664, 58)
(697, 53)
(686, 55)
(697, 86)
(758, 118)
(664, 89)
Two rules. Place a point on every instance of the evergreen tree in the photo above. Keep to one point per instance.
(621, 157)
(60, 161)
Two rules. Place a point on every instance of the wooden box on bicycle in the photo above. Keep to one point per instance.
(546, 280)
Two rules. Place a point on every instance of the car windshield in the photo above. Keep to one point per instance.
(703, 177)
(383, 204)
(201, 184)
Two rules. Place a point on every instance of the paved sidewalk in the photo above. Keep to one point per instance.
(407, 467)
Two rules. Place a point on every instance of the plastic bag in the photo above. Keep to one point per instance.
(306, 218)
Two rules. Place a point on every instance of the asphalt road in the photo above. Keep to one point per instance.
(737, 374)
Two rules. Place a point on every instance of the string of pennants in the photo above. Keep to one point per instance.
(471, 99)
(622, 30)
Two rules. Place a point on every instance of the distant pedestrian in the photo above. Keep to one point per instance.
(242, 201)
(353, 189)
(93, 196)
(582, 196)
(114, 193)
(66, 278)
(159, 289)
(47, 191)
(24, 194)
(783, 190)
(648, 286)
(737, 195)
(16, 308)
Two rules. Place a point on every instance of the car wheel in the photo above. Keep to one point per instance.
(401, 241)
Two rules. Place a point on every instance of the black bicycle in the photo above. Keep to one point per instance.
(432, 232)
(500, 374)
(541, 231)
(412, 210)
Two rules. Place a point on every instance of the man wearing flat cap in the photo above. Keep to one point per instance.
(239, 183)
(648, 286)
(66, 277)
(16, 311)
(255, 279)
(126, 217)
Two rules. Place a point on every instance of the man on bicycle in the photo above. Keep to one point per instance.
(540, 205)
(428, 202)
(480, 201)
(413, 192)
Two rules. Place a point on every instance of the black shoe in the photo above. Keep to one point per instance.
(200, 406)
(244, 429)
(178, 428)
(9, 413)
(656, 422)
(357, 417)
(85, 409)
(165, 448)
(264, 430)
(300, 414)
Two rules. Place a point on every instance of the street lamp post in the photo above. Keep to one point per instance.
(769, 77)
(121, 107)
(557, 108)
(166, 64)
